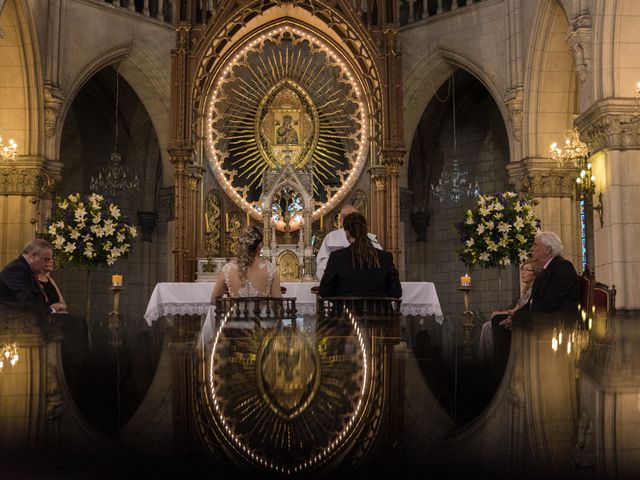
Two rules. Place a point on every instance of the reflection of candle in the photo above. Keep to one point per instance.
(226, 221)
(321, 222)
(465, 280)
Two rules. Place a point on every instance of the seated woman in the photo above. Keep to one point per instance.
(74, 345)
(360, 270)
(50, 288)
(502, 319)
(248, 275)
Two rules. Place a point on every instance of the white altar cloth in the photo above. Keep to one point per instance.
(192, 298)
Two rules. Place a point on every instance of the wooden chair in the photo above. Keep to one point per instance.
(369, 308)
(255, 308)
(596, 297)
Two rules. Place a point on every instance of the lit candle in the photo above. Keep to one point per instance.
(465, 280)
(116, 280)
(226, 221)
(248, 218)
(321, 222)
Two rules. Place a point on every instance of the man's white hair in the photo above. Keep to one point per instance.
(551, 240)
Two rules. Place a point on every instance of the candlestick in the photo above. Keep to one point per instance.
(114, 323)
(467, 318)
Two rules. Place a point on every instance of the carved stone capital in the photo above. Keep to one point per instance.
(394, 155)
(147, 222)
(613, 123)
(579, 40)
(28, 176)
(541, 177)
(514, 99)
(378, 176)
(195, 173)
(53, 98)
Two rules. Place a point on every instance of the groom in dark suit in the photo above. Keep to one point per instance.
(19, 285)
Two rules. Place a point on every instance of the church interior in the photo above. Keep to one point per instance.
(179, 123)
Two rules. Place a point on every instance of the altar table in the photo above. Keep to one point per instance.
(193, 298)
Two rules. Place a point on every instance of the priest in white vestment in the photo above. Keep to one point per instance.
(335, 240)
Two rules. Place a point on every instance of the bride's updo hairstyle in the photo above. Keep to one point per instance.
(249, 242)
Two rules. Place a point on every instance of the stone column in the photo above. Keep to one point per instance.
(378, 224)
(180, 158)
(23, 185)
(611, 128)
(554, 190)
(393, 160)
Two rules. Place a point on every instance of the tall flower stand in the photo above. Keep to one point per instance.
(468, 318)
(114, 324)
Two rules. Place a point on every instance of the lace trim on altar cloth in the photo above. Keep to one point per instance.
(419, 309)
(167, 309)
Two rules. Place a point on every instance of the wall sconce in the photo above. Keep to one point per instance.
(576, 153)
(9, 354)
(8, 152)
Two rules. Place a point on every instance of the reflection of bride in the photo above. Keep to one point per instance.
(248, 275)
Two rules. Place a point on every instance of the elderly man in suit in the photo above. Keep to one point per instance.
(555, 290)
(19, 284)
(557, 286)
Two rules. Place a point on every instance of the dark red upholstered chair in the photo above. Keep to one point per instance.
(597, 298)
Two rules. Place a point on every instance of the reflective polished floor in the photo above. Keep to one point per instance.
(566, 406)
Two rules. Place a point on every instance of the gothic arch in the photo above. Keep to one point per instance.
(142, 75)
(431, 72)
(347, 35)
(550, 82)
(24, 78)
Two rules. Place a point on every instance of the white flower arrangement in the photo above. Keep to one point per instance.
(498, 231)
(90, 231)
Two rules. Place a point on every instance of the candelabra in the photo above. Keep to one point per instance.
(8, 152)
(575, 154)
(467, 320)
(115, 176)
(454, 184)
(9, 353)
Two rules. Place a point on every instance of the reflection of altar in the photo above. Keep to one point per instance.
(193, 298)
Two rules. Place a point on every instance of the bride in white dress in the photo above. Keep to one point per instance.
(248, 275)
